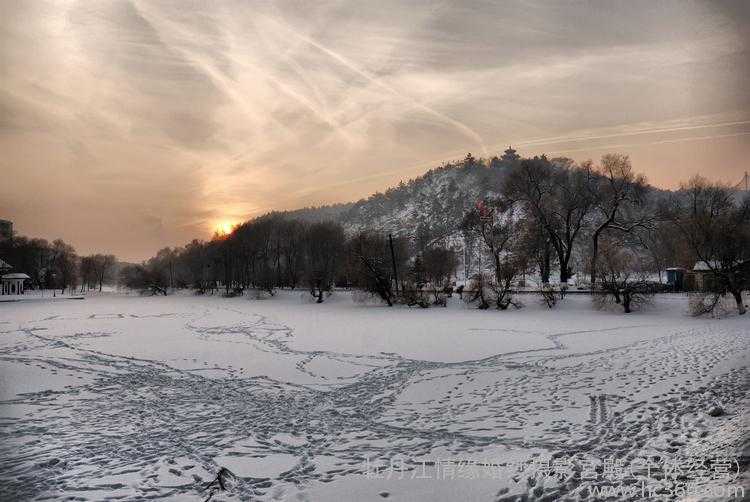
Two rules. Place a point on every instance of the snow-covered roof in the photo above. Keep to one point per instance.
(16, 275)
(4, 265)
(703, 266)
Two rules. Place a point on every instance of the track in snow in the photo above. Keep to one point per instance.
(142, 428)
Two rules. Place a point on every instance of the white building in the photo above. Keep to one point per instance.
(12, 284)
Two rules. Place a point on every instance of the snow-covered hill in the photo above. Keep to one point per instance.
(431, 207)
(428, 207)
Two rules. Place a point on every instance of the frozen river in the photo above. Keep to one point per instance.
(128, 398)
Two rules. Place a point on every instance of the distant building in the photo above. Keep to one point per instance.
(700, 277)
(676, 278)
(703, 277)
(13, 284)
(509, 158)
(510, 155)
(6, 229)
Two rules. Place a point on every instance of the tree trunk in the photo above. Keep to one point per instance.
(594, 256)
(388, 301)
(545, 264)
(626, 302)
(564, 274)
(483, 305)
(740, 304)
(564, 257)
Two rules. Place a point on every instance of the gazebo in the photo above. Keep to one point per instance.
(12, 284)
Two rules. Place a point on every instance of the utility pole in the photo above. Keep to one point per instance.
(393, 260)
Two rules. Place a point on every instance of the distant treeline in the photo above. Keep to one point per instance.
(551, 216)
(601, 223)
(55, 265)
(274, 252)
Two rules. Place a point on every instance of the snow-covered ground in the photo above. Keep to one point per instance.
(127, 397)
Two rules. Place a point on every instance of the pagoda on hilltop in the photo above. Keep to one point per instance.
(510, 155)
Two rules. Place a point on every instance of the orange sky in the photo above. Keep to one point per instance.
(126, 126)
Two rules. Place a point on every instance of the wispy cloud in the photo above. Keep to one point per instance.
(138, 111)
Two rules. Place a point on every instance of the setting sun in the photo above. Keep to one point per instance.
(224, 227)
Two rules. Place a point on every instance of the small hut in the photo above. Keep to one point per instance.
(704, 277)
(676, 278)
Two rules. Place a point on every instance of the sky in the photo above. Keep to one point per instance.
(126, 126)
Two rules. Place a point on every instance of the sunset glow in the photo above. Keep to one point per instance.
(224, 227)
(241, 108)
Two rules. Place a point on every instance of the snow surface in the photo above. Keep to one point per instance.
(123, 397)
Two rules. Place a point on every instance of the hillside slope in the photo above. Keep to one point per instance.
(427, 207)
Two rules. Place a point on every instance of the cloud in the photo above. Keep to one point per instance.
(129, 113)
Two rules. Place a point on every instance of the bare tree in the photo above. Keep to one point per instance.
(102, 267)
(290, 236)
(551, 295)
(508, 271)
(439, 265)
(717, 230)
(617, 192)
(624, 278)
(369, 265)
(412, 291)
(323, 245)
(665, 247)
(558, 195)
(64, 265)
(88, 272)
(143, 278)
(537, 245)
(499, 229)
(479, 290)
(258, 253)
(194, 262)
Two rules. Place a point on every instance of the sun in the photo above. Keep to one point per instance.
(224, 227)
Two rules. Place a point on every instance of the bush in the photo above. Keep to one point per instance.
(711, 304)
(362, 297)
(550, 295)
